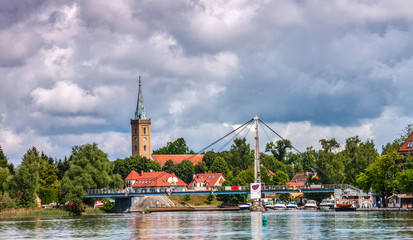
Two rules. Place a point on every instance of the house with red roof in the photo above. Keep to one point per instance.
(207, 180)
(177, 158)
(300, 179)
(154, 182)
(406, 150)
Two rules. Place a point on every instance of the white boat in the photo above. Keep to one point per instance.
(310, 205)
(327, 204)
(280, 205)
(292, 205)
(268, 205)
(244, 206)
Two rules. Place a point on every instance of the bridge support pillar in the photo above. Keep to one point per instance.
(122, 205)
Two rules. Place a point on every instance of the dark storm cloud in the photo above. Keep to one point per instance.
(70, 68)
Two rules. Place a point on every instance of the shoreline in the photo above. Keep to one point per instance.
(191, 209)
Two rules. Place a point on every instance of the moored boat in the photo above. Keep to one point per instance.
(310, 205)
(344, 205)
(244, 206)
(280, 205)
(327, 204)
(292, 205)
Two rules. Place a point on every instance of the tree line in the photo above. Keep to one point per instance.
(357, 163)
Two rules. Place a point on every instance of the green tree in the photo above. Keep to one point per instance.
(62, 167)
(120, 168)
(330, 166)
(3, 159)
(279, 150)
(241, 156)
(405, 180)
(219, 166)
(357, 156)
(281, 177)
(90, 168)
(201, 167)
(381, 176)
(23, 186)
(209, 158)
(185, 171)
(308, 160)
(233, 198)
(168, 167)
(4, 174)
(139, 163)
(176, 147)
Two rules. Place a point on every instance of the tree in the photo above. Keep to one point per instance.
(177, 147)
(241, 156)
(281, 177)
(120, 168)
(219, 166)
(233, 198)
(89, 168)
(62, 167)
(23, 186)
(330, 166)
(139, 163)
(3, 159)
(4, 174)
(201, 167)
(405, 180)
(185, 171)
(168, 167)
(357, 156)
(308, 160)
(209, 158)
(280, 149)
(381, 176)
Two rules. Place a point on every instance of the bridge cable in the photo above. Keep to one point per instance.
(298, 151)
(210, 145)
(234, 137)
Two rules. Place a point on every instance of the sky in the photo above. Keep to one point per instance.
(309, 69)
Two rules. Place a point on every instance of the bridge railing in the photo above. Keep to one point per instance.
(104, 191)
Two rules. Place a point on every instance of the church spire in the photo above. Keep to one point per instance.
(140, 109)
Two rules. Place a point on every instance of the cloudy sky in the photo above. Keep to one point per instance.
(310, 69)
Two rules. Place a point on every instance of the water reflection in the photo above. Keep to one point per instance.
(215, 225)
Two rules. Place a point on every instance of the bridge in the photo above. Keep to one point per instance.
(129, 193)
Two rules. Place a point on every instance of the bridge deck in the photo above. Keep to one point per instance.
(98, 193)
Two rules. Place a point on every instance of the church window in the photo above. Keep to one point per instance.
(144, 148)
(144, 130)
(135, 131)
(136, 148)
(410, 144)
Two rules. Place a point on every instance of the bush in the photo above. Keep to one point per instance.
(210, 198)
(6, 201)
(48, 195)
(187, 198)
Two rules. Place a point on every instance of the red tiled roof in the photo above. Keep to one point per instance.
(302, 177)
(406, 147)
(178, 158)
(209, 178)
(155, 179)
(132, 175)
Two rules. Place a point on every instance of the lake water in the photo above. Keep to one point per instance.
(216, 225)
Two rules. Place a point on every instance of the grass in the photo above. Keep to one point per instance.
(31, 212)
(39, 212)
(196, 200)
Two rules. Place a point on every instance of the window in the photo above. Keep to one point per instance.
(135, 131)
(144, 130)
(410, 144)
(213, 176)
(144, 148)
(136, 148)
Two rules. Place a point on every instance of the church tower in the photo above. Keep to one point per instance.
(141, 129)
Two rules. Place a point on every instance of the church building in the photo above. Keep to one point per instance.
(141, 137)
(141, 129)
